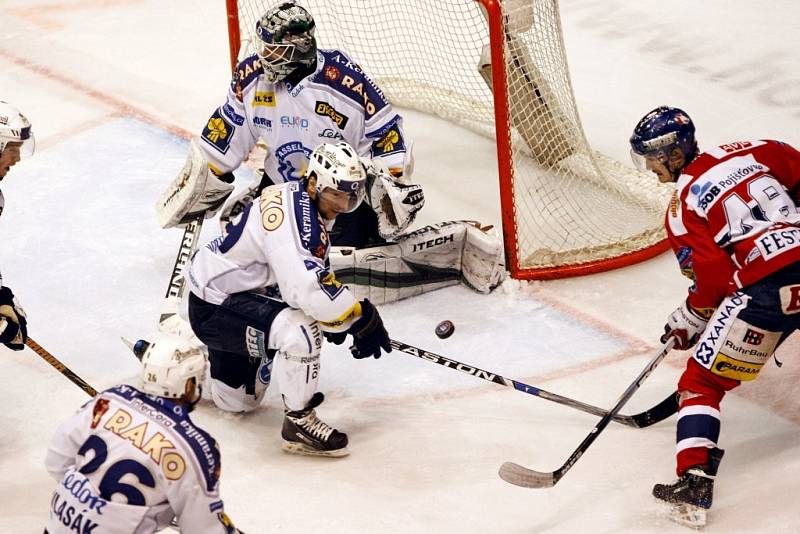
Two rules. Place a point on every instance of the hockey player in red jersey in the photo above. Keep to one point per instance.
(734, 226)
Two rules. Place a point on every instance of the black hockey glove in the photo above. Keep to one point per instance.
(13, 323)
(337, 338)
(369, 334)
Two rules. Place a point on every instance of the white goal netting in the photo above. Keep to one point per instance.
(568, 209)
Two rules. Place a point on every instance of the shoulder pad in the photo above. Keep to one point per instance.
(218, 131)
(388, 139)
(347, 78)
(310, 229)
(247, 71)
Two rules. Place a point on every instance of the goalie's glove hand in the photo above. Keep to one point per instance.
(369, 334)
(13, 321)
(685, 324)
(337, 338)
(396, 204)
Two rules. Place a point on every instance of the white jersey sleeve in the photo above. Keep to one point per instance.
(68, 438)
(279, 245)
(228, 138)
(129, 463)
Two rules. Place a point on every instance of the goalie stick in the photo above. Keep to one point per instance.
(528, 478)
(60, 367)
(657, 413)
(172, 300)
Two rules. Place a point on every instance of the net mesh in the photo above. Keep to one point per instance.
(572, 206)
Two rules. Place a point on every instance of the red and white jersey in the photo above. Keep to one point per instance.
(279, 246)
(127, 463)
(734, 218)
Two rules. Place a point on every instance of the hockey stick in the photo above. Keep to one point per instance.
(63, 369)
(172, 300)
(528, 478)
(657, 413)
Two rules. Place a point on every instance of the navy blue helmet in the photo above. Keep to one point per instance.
(659, 133)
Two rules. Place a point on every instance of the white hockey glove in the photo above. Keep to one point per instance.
(395, 204)
(194, 191)
(237, 203)
(685, 324)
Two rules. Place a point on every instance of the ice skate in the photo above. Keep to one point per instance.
(691, 495)
(304, 433)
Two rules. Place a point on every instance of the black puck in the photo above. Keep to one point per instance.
(444, 329)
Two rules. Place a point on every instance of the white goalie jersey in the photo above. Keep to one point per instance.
(278, 246)
(338, 101)
(127, 463)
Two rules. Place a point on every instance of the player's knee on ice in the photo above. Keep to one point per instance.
(238, 383)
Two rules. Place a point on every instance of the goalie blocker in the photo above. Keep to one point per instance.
(194, 191)
(432, 257)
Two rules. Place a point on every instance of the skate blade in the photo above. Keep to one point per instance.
(299, 448)
(688, 515)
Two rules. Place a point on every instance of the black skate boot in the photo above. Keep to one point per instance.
(691, 495)
(304, 433)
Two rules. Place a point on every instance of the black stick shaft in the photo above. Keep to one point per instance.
(522, 476)
(649, 417)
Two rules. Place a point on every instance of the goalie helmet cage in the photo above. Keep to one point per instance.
(566, 209)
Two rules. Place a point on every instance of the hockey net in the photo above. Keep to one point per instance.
(566, 209)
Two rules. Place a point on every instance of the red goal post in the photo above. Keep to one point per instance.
(498, 67)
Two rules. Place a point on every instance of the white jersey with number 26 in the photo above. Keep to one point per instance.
(127, 463)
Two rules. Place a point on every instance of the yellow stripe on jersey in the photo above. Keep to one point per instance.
(352, 313)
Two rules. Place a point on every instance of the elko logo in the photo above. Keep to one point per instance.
(294, 121)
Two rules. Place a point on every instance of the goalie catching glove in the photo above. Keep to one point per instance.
(369, 334)
(195, 191)
(396, 204)
(13, 321)
(685, 324)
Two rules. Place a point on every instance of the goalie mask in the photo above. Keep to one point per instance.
(285, 40)
(658, 136)
(168, 364)
(15, 129)
(341, 177)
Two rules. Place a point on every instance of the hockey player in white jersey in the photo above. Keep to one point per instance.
(292, 96)
(16, 141)
(263, 295)
(130, 461)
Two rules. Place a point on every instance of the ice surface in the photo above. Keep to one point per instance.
(113, 88)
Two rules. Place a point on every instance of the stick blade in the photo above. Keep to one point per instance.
(526, 478)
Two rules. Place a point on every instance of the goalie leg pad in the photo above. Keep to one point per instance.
(430, 258)
(483, 261)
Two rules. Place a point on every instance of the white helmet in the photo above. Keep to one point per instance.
(168, 363)
(338, 167)
(15, 128)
